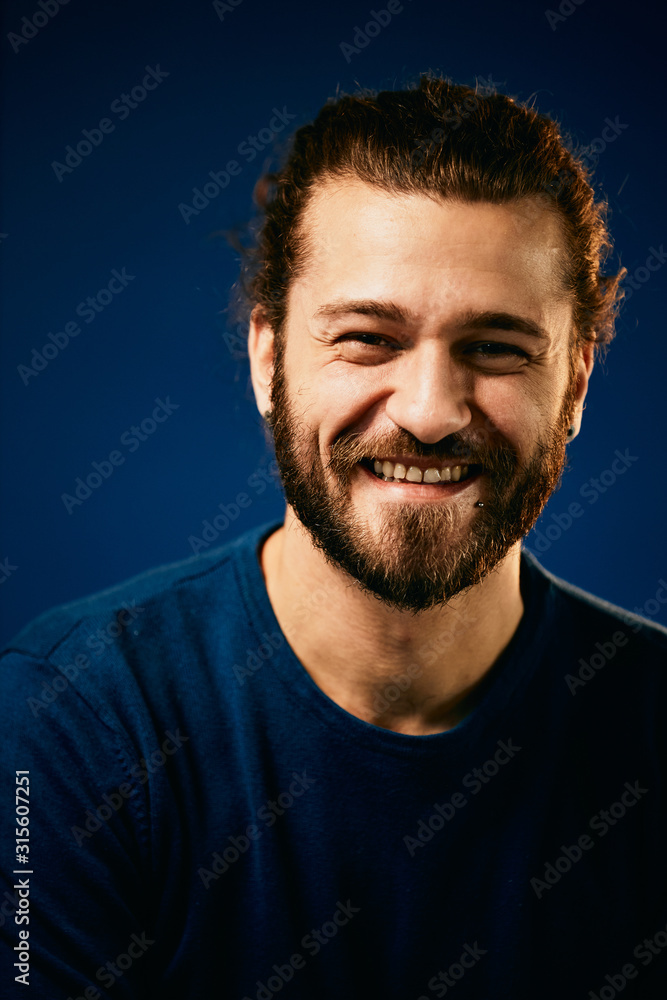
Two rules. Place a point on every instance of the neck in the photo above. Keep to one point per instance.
(416, 674)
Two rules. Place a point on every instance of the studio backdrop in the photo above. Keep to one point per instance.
(133, 135)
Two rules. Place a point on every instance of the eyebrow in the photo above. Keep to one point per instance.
(366, 307)
(502, 321)
(469, 321)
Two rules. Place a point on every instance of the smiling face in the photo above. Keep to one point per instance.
(424, 340)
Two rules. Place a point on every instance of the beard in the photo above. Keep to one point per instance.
(414, 556)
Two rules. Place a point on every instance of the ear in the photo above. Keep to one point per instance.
(261, 354)
(584, 370)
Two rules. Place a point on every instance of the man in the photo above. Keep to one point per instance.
(374, 750)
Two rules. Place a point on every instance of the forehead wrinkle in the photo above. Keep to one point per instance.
(322, 243)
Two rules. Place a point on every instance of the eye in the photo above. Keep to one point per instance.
(366, 348)
(494, 356)
(493, 349)
(369, 339)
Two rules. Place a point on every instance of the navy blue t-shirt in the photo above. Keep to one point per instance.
(205, 822)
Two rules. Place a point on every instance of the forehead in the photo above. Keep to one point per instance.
(361, 239)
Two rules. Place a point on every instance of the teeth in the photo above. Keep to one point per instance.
(450, 473)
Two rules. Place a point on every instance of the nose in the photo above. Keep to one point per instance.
(430, 394)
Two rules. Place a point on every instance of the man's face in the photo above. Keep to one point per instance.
(397, 348)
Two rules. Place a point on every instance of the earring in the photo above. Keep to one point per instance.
(570, 433)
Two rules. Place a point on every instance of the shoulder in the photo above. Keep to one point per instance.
(596, 629)
(139, 601)
(125, 654)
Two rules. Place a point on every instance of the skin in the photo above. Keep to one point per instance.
(428, 378)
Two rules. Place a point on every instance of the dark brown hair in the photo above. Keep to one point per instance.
(444, 140)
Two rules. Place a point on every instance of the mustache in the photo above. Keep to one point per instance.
(349, 449)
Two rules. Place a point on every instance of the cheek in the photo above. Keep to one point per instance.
(338, 397)
(507, 406)
(337, 400)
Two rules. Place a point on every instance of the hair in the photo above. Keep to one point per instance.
(445, 141)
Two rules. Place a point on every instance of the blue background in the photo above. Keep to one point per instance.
(163, 335)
